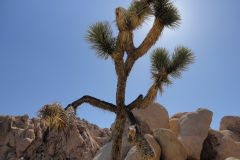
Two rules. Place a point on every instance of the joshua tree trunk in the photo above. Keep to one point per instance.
(117, 136)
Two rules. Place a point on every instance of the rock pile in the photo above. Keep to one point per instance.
(22, 138)
(184, 136)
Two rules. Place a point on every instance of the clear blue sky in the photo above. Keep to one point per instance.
(44, 58)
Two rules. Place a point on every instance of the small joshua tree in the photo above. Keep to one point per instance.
(164, 67)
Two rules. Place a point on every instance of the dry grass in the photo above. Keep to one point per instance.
(55, 116)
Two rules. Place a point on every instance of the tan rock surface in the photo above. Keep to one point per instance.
(231, 123)
(174, 122)
(104, 153)
(174, 126)
(231, 134)
(133, 154)
(193, 130)
(171, 147)
(178, 115)
(219, 146)
(155, 116)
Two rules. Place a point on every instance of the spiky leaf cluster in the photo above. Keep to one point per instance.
(163, 66)
(160, 61)
(100, 36)
(166, 12)
(138, 12)
(55, 116)
(181, 59)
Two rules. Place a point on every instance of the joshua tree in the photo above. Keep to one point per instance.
(164, 67)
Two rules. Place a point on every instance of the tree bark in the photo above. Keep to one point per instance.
(120, 94)
(117, 135)
(150, 97)
(150, 39)
(119, 65)
(94, 102)
(129, 64)
(136, 103)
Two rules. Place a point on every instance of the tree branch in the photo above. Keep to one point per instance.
(119, 67)
(136, 103)
(94, 102)
(117, 57)
(129, 46)
(150, 39)
(150, 97)
(129, 64)
(131, 118)
(120, 71)
(122, 43)
(130, 49)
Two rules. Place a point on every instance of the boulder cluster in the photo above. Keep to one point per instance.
(184, 136)
(22, 138)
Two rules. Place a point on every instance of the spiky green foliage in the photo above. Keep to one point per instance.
(181, 59)
(138, 11)
(100, 36)
(166, 12)
(163, 66)
(160, 62)
(54, 116)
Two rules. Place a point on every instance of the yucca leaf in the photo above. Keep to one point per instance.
(181, 59)
(139, 11)
(160, 62)
(99, 35)
(166, 12)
